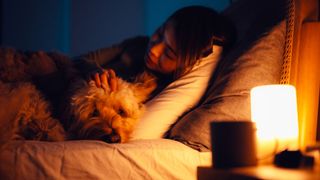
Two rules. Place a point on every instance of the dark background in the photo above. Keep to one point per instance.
(78, 26)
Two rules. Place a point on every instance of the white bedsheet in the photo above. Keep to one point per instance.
(139, 159)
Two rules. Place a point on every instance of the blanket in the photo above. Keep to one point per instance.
(50, 72)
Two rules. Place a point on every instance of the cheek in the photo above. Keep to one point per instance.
(168, 66)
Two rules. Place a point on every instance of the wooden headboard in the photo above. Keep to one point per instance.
(305, 67)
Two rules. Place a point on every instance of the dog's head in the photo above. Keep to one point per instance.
(109, 116)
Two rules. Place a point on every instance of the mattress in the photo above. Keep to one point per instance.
(88, 159)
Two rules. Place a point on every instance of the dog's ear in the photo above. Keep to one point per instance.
(144, 85)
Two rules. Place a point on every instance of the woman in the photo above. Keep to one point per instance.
(176, 46)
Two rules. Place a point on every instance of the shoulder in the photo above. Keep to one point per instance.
(135, 46)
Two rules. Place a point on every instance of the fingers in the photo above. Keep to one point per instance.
(96, 78)
(112, 80)
(106, 79)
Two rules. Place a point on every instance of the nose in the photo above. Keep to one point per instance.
(115, 138)
(112, 138)
(157, 49)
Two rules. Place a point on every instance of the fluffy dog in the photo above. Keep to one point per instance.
(25, 112)
(25, 115)
(90, 112)
(102, 114)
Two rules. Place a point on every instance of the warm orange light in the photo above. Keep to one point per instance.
(274, 110)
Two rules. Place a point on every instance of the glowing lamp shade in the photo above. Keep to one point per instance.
(274, 110)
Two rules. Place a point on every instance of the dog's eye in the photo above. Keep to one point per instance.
(121, 112)
(95, 113)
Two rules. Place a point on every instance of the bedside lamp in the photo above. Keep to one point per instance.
(274, 110)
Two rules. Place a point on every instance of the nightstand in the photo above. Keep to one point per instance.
(259, 172)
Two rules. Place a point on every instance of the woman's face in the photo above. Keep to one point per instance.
(161, 53)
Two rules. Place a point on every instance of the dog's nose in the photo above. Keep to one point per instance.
(112, 138)
(115, 138)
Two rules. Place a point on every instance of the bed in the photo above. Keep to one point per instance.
(266, 52)
(143, 159)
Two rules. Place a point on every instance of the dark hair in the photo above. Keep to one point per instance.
(196, 29)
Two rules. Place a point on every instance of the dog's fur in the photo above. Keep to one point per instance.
(25, 115)
(97, 113)
(91, 112)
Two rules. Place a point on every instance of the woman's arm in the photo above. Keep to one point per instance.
(123, 58)
(96, 60)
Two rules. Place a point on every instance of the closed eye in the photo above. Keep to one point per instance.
(121, 112)
(169, 53)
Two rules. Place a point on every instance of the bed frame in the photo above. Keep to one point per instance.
(303, 67)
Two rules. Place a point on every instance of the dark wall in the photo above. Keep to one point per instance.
(100, 23)
(1, 12)
(157, 11)
(35, 24)
(78, 26)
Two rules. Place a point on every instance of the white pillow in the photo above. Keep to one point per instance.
(177, 98)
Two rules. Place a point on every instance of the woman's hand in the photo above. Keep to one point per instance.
(105, 79)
